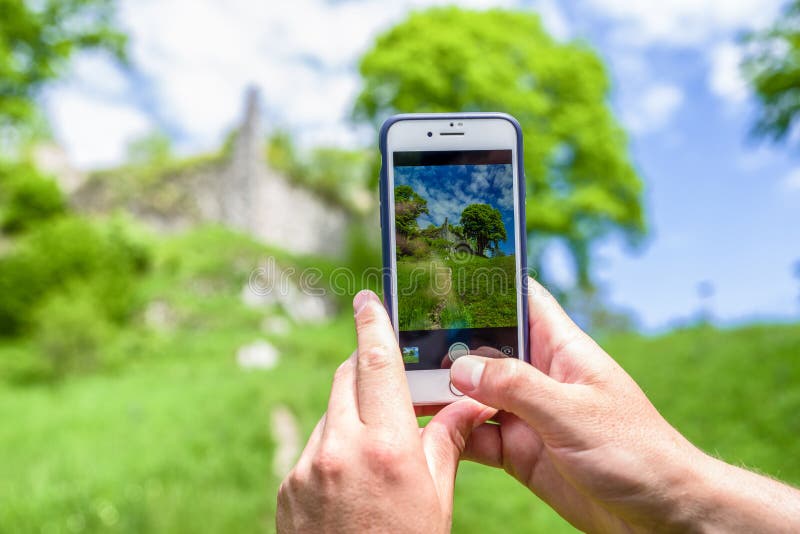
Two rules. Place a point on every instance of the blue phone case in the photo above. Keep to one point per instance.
(384, 208)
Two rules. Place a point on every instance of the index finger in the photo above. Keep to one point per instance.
(384, 402)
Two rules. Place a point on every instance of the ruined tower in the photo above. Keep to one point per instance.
(245, 167)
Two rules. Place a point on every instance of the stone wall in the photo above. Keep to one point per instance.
(239, 190)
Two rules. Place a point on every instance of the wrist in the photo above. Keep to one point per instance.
(719, 497)
(686, 490)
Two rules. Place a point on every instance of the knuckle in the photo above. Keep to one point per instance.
(342, 370)
(511, 376)
(283, 490)
(367, 318)
(375, 357)
(328, 466)
(385, 459)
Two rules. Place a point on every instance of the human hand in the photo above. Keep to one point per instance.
(367, 466)
(578, 431)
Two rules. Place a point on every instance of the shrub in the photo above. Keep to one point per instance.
(28, 198)
(71, 332)
(56, 256)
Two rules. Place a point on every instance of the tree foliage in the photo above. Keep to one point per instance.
(581, 183)
(38, 38)
(773, 68)
(483, 224)
(27, 198)
(408, 205)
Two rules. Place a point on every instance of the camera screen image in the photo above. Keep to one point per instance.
(455, 254)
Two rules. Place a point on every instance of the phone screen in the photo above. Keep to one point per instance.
(455, 236)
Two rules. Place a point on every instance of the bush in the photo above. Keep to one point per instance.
(71, 332)
(28, 198)
(69, 251)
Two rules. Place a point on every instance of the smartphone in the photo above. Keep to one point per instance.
(453, 234)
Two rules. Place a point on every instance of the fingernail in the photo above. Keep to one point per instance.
(466, 373)
(361, 300)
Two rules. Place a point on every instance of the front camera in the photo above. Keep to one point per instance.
(430, 134)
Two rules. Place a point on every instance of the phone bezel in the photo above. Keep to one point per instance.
(481, 131)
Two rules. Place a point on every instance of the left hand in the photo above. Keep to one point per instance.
(367, 465)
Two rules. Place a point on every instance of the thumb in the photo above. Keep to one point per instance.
(444, 439)
(511, 385)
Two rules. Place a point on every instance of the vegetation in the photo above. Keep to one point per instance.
(484, 225)
(126, 410)
(576, 157)
(36, 41)
(773, 67)
(444, 280)
(27, 198)
(82, 456)
(408, 206)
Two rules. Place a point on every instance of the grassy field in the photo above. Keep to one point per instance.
(178, 438)
(447, 293)
(182, 444)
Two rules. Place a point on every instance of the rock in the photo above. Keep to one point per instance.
(258, 355)
(269, 285)
(159, 315)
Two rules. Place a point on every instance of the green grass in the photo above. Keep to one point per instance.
(181, 443)
(176, 438)
(446, 293)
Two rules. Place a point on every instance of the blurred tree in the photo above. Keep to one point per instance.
(36, 41)
(581, 182)
(408, 206)
(773, 68)
(483, 224)
(27, 197)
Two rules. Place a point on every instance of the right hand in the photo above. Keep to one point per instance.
(578, 431)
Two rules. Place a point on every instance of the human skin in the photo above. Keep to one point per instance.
(573, 427)
(367, 466)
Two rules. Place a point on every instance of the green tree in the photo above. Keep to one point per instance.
(408, 205)
(36, 41)
(27, 198)
(773, 69)
(580, 179)
(483, 224)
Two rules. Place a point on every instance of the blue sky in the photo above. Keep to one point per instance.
(722, 209)
(449, 189)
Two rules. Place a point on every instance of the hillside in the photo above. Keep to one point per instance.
(180, 427)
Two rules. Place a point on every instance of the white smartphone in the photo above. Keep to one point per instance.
(453, 234)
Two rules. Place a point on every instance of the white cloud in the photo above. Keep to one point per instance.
(302, 55)
(683, 22)
(725, 78)
(653, 108)
(197, 57)
(791, 182)
(94, 132)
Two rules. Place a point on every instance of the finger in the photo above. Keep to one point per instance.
(550, 326)
(553, 335)
(342, 414)
(384, 402)
(312, 445)
(444, 439)
(485, 446)
(511, 385)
